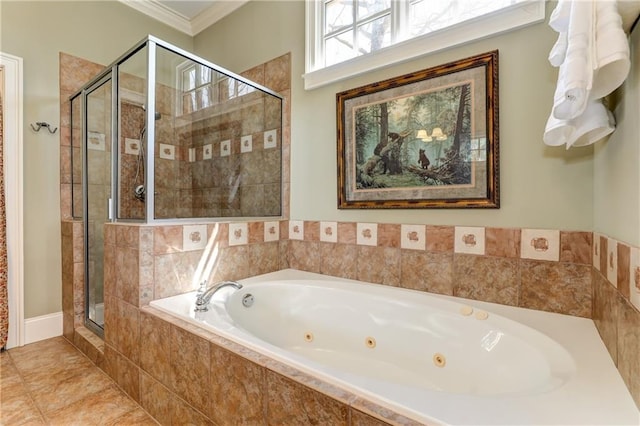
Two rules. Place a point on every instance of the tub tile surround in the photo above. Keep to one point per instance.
(240, 384)
(563, 286)
(444, 264)
(616, 306)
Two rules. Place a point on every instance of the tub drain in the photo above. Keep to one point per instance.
(370, 342)
(308, 337)
(439, 360)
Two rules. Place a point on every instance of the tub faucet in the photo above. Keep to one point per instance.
(204, 296)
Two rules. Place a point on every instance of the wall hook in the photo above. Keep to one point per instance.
(41, 124)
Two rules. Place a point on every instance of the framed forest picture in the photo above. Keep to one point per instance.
(428, 139)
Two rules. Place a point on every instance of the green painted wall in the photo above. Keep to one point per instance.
(541, 187)
(617, 163)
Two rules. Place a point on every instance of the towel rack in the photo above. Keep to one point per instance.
(41, 124)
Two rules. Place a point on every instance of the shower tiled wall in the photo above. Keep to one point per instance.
(227, 160)
(74, 73)
(131, 160)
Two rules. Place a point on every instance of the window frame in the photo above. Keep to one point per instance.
(316, 75)
(216, 94)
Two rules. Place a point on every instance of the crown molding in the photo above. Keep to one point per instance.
(206, 18)
(158, 11)
(216, 12)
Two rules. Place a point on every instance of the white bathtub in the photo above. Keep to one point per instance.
(435, 359)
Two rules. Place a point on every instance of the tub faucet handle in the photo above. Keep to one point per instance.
(202, 299)
(202, 288)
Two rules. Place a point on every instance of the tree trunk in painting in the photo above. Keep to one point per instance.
(464, 93)
(384, 122)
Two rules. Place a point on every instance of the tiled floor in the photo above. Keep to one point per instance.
(52, 383)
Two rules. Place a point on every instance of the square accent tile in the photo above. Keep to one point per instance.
(131, 146)
(413, 237)
(167, 152)
(296, 230)
(612, 261)
(207, 152)
(246, 143)
(96, 141)
(271, 231)
(238, 234)
(540, 244)
(367, 234)
(329, 232)
(469, 240)
(634, 277)
(270, 139)
(596, 251)
(194, 237)
(225, 148)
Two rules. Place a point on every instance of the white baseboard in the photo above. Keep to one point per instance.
(42, 327)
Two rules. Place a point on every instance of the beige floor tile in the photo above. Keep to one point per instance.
(11, 383)
(19, 410)
(51, 382)
(58, 395)
(137, 417)
(99, 409)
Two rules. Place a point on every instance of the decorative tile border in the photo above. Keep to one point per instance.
(413, 237)
(167, 152)
(329, 232)
(207, 152)
(194, 237)
(469, 240)
(634, 277)
(225, 148)
(596, 250)
(271, 231)
(296, 230)
(540, 244)
(367, 234)
(612, 261)
(246, 144)
(618, 262)
(238, 234)
(270, 139)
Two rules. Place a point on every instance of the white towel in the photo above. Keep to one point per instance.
(559, 50)
(576, 72)
(594, 124)
(612, 50)
(559, 19)
(593, 56)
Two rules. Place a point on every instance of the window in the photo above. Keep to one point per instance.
(202, 87)
(348, 37)
(196, 87)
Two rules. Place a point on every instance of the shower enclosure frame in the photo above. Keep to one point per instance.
(110, 72)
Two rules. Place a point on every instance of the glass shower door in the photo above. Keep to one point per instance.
(98, 176)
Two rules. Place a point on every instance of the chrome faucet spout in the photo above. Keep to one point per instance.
(203, 298)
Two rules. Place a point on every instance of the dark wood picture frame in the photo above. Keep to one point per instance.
(427, 139)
